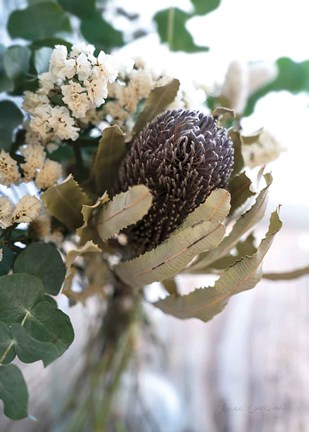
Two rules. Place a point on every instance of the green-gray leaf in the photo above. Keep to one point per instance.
(65, 202)
(108, 158)
(125, 209)
(203, 7)
(6, 84)
(292, 76)
(171, 256)
(157, 102)
(7, 260)
(41, 59)
(38, 21)
(100, 33)
(44, 261)
(13, 392)
(10, 119)
(16, 63)
(35, 328)
(81, 8)
(172, 29)
(205, 303)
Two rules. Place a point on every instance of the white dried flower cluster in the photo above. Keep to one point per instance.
(9, 173)
(132, 87)
(1, 254)
(77, 82)
(6, 211)
(27, 209)
(265, 150)
(242, 79)
(44, 171)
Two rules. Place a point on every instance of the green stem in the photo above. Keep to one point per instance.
(120, 364)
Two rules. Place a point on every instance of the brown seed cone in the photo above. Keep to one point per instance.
(182, 156)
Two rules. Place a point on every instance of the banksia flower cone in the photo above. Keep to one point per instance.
(182, 156)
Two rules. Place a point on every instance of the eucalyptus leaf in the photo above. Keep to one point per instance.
(108, 158)
(239, 188)
(39, 331)
(10, 119)
(16, 62)
(44, 261)
(292, 76)
(13, 392)
(205, 303)
(100, 32)
(171, 24)
(203, 7)
(172, 256)
(125, 209)
(65, 202)
(6, 84)
(157, 102)
(38, 21)
(216, 207)
(7, 260)
(41, 59)
(245, 223)
(81, 8)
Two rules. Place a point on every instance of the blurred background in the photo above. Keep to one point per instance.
(247, 369)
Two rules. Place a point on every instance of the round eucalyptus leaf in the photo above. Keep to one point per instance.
(10, 119)
(13, 392)
(16, 62)
(100, 33)
(31, 327)
(44, 261)
(41, 20)
(41, 59)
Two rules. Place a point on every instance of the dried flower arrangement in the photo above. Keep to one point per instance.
(114, 180)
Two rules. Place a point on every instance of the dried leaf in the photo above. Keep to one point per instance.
(65, 202)
(245, 223)
(252, 138)
(108, 158)
(216, 207)
(171, 256)
(289, 275)
(239, 188)
(205, 303)
(88, 231)
(125, 209)
(88, 247)
(171, 286)
(238, 159)
(157, 102)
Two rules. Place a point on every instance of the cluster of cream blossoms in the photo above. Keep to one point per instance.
(76, 83)
(27, 209)
(81, 89)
